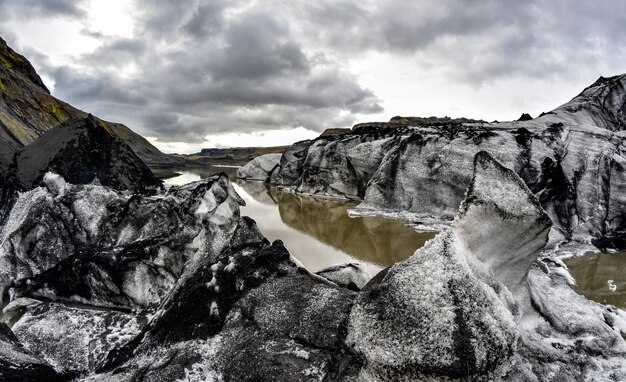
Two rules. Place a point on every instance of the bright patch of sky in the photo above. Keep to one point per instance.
(266, 138)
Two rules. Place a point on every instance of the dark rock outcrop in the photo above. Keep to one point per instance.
(525, 117)
(27, 111)
(334, 131)
(399, 121)
(84, 151)
(11, 60)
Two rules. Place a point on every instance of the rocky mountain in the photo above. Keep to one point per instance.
(572, 158)
(27, 111)
(83, 151)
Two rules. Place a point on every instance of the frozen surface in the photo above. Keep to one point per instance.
(74, 338)
(92, 244)
(467, 305)
(260, 168)
(442, 312)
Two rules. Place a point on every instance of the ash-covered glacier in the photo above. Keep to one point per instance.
(104, 284)
(449, 311)
(19, 364)
(571, 158)
(84, 150)
(260, 168)
(466, 306)
(93, 244)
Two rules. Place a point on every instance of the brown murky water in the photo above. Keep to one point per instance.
(319, 232)
(593, 272)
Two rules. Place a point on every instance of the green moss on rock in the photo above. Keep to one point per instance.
(58, 113)
(5, 62)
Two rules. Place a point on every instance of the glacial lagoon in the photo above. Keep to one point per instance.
(319, 233)
(600, 277)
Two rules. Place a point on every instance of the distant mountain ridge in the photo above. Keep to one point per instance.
(237, 156)
(28, 110)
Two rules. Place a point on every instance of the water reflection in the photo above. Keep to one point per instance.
(319, 232)
(376, 242)
(593, 272)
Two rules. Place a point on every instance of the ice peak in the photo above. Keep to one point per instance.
(602, 104)
(501, 222)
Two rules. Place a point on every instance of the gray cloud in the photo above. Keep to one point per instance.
(476, 41)
(205, 20)
(27, 9)
(198, 71)
(216, 66)
(115, 52)
(97, 88)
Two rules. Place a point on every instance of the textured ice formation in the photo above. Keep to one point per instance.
(443, 312)
(89, 243)
(572, 159)
(291, 164)
(263, 316)
(289, 329)
(602, 104)
(73, 339)
(19, 364)
(567, 337)
(501, 222)
(475, 304)
(260, 168)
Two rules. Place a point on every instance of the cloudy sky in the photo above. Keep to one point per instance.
(211, 73)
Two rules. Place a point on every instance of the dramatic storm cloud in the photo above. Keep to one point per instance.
(199, 70)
